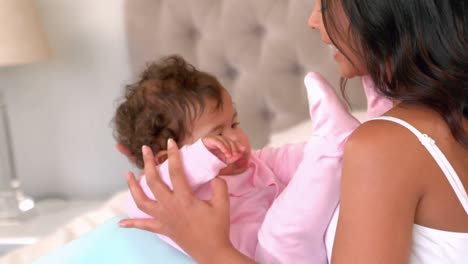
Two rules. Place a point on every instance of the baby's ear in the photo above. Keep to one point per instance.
(160, 157)
(126, 152)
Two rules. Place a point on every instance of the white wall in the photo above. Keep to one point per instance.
(60, 110)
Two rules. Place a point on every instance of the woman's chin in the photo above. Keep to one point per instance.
(348, 73)
(346, 69)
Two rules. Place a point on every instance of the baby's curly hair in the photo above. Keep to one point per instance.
(170, 94)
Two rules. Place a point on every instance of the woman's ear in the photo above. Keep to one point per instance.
(160, 157)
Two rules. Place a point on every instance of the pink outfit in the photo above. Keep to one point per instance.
(294, 227)
(281, 206)
(251, 193)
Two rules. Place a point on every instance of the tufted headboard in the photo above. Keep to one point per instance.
(260, 50)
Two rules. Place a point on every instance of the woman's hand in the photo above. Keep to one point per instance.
(199, 227)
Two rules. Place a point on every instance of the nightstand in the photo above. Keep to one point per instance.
(48, 215)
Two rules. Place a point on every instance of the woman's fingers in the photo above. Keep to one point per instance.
(151, 225)
(220, 198)
(142, 201)
(192, 223)
(156, 185)
(176, 171)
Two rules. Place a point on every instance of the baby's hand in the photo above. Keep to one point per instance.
(225, 149)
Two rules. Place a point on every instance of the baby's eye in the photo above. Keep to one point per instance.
(235, 124)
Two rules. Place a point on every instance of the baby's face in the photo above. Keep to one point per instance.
(223, 121)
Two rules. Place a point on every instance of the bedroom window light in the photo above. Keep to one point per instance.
(22, 41)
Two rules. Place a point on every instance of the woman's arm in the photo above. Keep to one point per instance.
(379, 196)
(200, 228)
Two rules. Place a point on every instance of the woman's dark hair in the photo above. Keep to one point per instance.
(162, 104)
(416, 51)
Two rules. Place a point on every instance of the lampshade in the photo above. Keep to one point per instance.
(22, 39)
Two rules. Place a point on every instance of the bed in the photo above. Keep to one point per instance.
(260, 50)
(114, 206)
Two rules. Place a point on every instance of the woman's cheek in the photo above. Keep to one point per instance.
(346, 68)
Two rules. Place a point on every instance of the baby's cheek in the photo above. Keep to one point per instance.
(246, 141)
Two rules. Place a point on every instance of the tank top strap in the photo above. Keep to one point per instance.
(438, 156)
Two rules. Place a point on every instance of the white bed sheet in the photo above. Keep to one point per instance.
(70, 231)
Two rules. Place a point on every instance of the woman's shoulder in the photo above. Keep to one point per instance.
(388, 151)
(384, 134)
(382, 144)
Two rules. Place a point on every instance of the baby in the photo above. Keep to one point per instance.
(175, 100)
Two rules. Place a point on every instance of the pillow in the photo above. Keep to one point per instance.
(109, 243)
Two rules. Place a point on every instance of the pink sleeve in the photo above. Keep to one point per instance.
(295, 224)
(200, 167)
(283, 161)
(377, 104)
(294, 227)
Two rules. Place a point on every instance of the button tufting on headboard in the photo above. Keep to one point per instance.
(297, 69)
(193, 34)
(259, 30)
(230, 72)
(259, 49)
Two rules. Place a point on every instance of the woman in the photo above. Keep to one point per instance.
(401, 201)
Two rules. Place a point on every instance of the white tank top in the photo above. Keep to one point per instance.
(429, 245)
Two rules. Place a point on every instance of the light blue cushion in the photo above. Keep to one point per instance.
(108, 243)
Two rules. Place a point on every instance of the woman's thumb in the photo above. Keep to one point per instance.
(220, 193)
